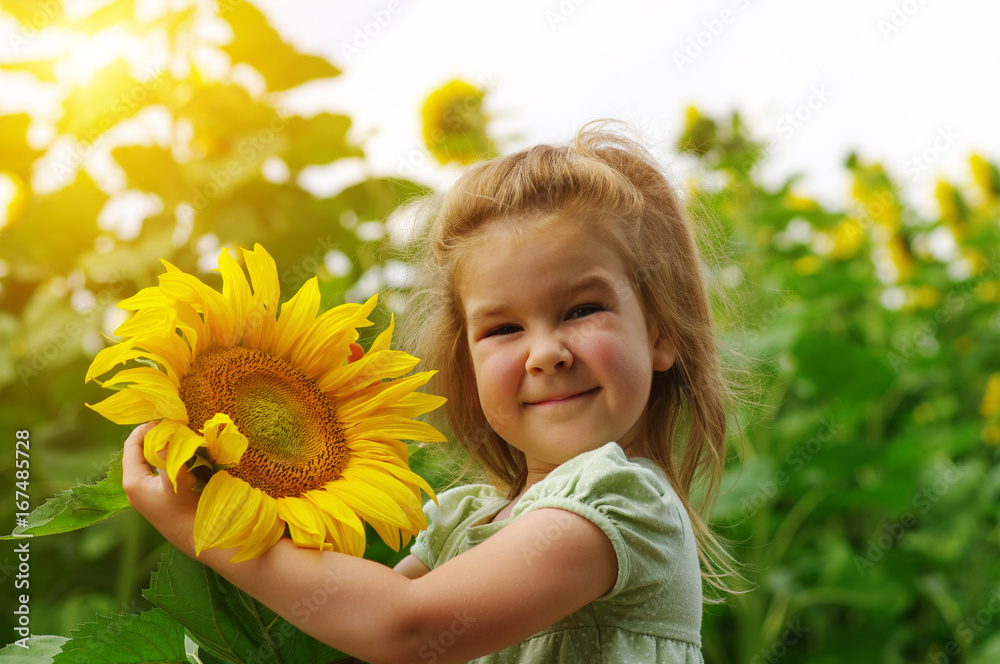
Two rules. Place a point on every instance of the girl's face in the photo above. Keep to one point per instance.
(560, 347)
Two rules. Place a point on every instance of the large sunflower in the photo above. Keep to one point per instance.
(296, 435)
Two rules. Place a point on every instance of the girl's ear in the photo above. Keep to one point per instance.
(664, 354)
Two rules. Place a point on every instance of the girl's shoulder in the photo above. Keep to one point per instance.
(604, 476)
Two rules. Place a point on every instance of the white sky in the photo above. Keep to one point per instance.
(896, 75)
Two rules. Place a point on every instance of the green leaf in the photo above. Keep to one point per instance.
(152, 637)
(40, 650)
(78, 507)
(150, 168)
(320, 139)
(112, 95)
(56, 228)
(842, 369)
(259, 45)
(224, 620)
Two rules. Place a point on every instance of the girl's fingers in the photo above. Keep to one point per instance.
(134, 466)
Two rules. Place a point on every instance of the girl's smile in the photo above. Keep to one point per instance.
(561, 350)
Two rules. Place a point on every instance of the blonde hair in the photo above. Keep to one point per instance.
(604, 176)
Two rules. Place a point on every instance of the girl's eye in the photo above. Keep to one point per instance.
(503, 329)
(580, 312)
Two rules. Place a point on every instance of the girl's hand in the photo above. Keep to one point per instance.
(153, 496)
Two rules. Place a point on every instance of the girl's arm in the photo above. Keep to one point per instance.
(540, 568)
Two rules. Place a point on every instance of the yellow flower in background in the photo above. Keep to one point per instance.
(954, 209)
(990, 407)
(454, 125)
(902, 259)
(807, 265)
(296, 436)
(847, 237)
(800, 203)
(986, 176)
(700, 133)
(990, 410)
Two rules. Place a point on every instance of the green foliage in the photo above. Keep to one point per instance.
(189, 130)
(78, 507)
(152, 637)
(866, 500)
(38, 650)
(227, 622)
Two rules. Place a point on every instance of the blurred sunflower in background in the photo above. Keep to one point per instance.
(292, 433)
(454, 124)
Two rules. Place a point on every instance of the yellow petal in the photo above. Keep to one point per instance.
(400, 473)
(154, 386)
(370, 400)
(110, 357)
(296, 316)
(370, 503)
(267, 530)
(130, 406)
(156, 441)
(327, 342)
(159, 321)
(405, 429)
(147, 297)
(384, 340)
(266, 293)
(223, 439)
(235, 289)
(390, 486)
(335, 509)
(218, 310)
(220, 504)
(306, 527)
(182, 446)
(340, 382)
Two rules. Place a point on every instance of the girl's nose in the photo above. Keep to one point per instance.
(548, 354)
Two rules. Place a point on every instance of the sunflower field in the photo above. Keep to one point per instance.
(863, 493)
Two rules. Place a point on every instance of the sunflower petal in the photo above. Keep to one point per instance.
(259, 330)
(235, 288)
(327, 341)
(267, 530)
(306, 527)
(343, 381)
(220, 504)
(370, 400)
(223, 439)
(296, 316)
(218, 310)
(151, 296)
(154, 386)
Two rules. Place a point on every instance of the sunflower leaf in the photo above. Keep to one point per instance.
(152, 637)
(78, 507)
(37, 649)
(225, 621)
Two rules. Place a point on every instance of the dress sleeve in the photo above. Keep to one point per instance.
(444, 520)
(632, 503)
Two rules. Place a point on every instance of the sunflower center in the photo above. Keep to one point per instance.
(296, 443)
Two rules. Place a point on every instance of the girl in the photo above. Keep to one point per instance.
(565, 307)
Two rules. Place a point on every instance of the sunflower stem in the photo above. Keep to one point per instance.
(127, 566)
(264, 630)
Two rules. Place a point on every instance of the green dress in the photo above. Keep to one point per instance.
(653, 613)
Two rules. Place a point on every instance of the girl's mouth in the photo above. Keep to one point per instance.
(562, 397)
